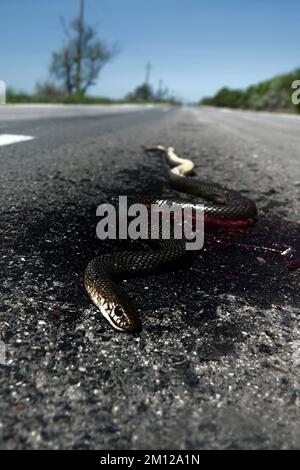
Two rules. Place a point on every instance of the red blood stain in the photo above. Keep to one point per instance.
(294, 265)
(228, 223)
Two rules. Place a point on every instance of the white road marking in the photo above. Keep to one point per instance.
(8, 139)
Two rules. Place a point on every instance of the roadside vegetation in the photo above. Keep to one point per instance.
(145, 93)
(49, 94)
(270, 95)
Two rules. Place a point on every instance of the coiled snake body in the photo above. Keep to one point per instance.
(221, 206)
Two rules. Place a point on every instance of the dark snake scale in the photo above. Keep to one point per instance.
(221, 206)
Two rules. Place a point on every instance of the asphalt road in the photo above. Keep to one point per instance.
(217, 365)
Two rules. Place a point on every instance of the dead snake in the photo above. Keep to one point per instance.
(222, 206)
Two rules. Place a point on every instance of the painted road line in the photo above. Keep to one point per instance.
(8, 139)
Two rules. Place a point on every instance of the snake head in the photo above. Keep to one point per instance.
(122, 316)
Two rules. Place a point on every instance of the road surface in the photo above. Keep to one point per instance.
(217, 365)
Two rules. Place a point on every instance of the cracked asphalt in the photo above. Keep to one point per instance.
(217, 365)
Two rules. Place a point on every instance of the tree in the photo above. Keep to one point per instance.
(78, 63)
(145, 93)
(142, 92)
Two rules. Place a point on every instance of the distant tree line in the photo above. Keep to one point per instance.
(270, 95)
(47, 92)
(145, 93)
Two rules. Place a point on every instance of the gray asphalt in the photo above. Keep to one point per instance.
(217, 365)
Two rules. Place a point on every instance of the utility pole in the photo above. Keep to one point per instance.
(160, 89)
(148, 73)
(79, 46)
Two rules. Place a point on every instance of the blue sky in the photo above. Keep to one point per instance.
(195, 46)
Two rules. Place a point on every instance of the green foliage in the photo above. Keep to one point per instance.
(226, 98)
(143, 93)
(24, 98)
(271, 95)
(47, 93)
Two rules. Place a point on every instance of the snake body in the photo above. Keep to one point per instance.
(103, 272)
